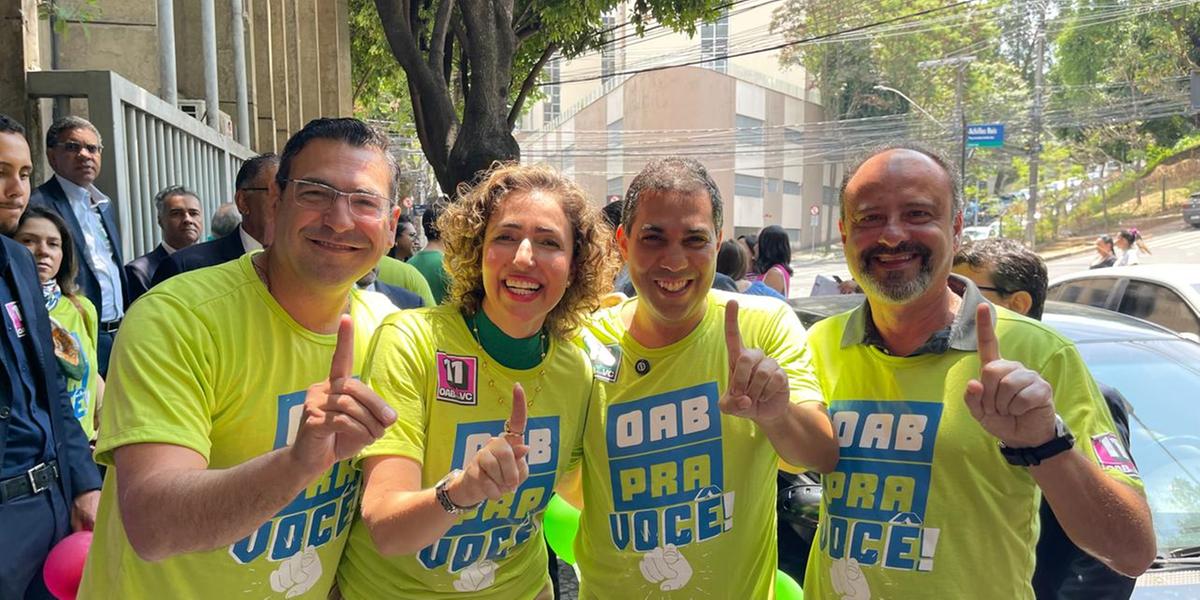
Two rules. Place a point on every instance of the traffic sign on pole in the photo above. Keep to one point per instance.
(814, 210)
(988, 135)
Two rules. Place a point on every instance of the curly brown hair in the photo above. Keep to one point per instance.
(593, 261)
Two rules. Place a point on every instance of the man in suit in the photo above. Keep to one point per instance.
(399, 296)
(180, 219)
(48, 481)
(255, 231)
(73, 149)
(225, 220)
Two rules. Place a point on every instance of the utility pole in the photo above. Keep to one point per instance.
(1035, 145)
(961, 62)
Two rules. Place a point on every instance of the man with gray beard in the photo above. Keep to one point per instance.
(953, 417)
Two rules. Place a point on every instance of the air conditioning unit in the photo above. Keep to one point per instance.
(196, 109)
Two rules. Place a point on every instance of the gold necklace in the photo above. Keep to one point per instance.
(543, 345)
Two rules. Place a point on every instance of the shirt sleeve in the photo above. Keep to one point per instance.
(396, 371)
(782, 337)
(160, 380)
(1079, 402)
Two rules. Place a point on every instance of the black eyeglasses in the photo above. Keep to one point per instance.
(76, 147)
(254, 189)
(319, 196)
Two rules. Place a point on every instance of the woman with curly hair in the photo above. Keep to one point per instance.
(491, 395)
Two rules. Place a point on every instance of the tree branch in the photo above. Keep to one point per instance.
(527, 86)
(441, 24)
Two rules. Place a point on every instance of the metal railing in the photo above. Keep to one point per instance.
(148, 145)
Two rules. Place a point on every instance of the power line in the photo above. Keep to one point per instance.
(761, 50)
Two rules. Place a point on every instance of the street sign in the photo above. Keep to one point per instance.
(988, 135)
(814, 210)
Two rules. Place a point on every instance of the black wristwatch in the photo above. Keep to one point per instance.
(443, 498)
(1028, 457)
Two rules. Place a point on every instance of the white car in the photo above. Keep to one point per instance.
(1166, 294)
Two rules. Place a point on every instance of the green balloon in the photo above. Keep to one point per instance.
(561, 523)
(786, 588)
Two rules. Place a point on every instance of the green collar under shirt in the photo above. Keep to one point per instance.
(513, 353)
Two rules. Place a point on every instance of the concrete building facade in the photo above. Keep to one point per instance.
(613, 110)
(297, 57)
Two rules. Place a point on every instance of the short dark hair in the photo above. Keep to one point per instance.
(1013, 267)
(612, 213)
(671, 174)
(401, 222)
(252, 167)
(731, 260)
(949, 169)
(350, 131)
(10, 125)
(429, 220)
(69, 267)
(170, 192)
(62, 125)
(774, 248)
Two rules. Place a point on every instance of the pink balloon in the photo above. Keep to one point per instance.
(64, 565)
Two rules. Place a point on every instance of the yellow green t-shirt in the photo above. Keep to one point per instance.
(451, 398)
(403, 275)
(921, 503)
(679, 499)
(209, 361)
(82, 392)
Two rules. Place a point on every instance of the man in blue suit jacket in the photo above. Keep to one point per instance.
(73, 149)
(48, 481)
(255, 231)
(180, 220)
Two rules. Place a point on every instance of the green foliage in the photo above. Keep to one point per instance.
(64, 12)
(379, 89)
(847, 72)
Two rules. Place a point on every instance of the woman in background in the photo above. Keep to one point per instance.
(72, 316)
(731, 260)
(1107, 255)
(773, 260)
(1131, 245)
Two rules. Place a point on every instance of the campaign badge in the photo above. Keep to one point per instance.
(14, 317)
(457, 379)
(606, 360)
(1112, 454)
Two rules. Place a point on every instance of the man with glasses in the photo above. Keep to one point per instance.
(73, 149)
(231, 462)
(255, 232)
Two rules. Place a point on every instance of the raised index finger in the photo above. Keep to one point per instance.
(989, 346)
(519, 416)
(733, 335)
(342, 365)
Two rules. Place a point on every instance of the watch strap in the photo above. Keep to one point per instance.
(1029, 457)
(443, 497)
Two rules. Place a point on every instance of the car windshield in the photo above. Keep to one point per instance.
(1158, 378)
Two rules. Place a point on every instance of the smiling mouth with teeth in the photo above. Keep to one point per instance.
(517, 286)
(673, 285)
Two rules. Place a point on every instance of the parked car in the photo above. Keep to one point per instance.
(1191, 210)
(1166, 294)
(1158, 372)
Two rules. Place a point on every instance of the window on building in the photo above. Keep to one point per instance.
(714, 42)
(552, 106)
(616, 186)
(791, 188)
(608, 53)
(749, 131)
(748, 186)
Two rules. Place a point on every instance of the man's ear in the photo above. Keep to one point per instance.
(622, 242)
(1020, 302)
